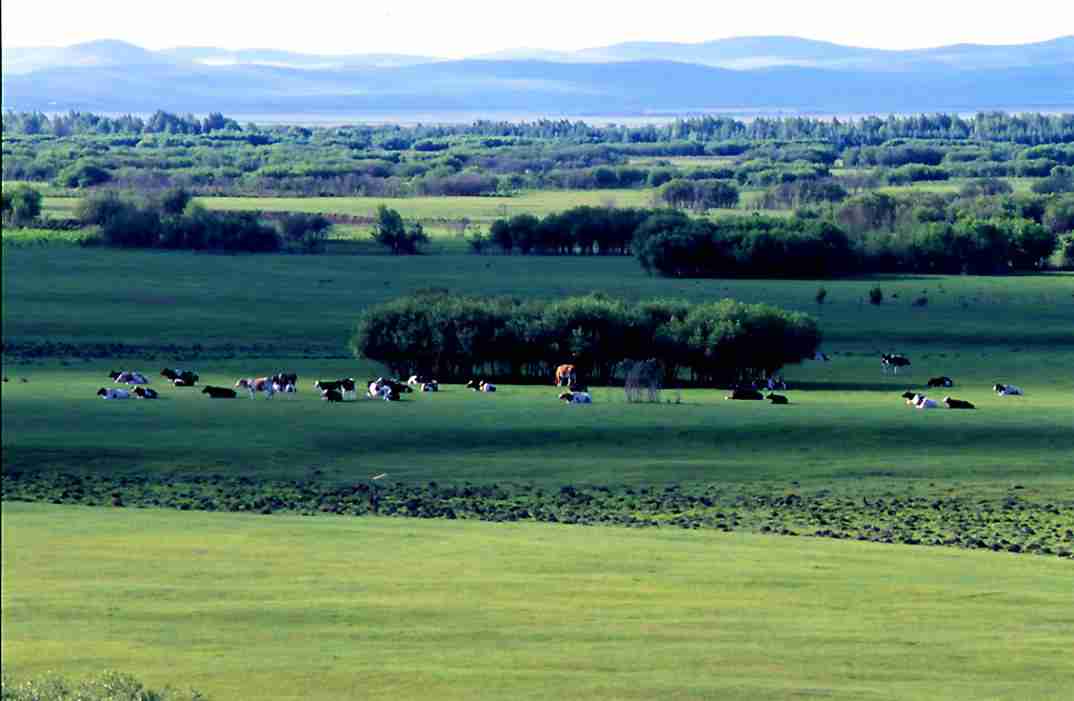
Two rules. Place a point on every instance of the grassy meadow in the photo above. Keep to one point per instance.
(290, 607)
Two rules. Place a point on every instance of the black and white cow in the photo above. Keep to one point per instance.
(942, 381)
(1007, 390)
(778, 399)
(346, 387)
(480, 386)
(128, 377)
(219, 392)
(745, 393)
(957, 403)
(113, 393)
(893, 361)
(332, 395)
(145, 393)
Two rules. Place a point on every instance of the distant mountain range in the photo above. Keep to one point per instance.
(746, 74)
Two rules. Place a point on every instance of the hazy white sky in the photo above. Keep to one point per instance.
(455, 28)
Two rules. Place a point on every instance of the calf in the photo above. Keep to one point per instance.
(742, 393)
(113, 393)
(145, 393)
(893, 361)
(219, 392)
(778, 399)
(942, 381)
(957, 403)
(1007, 390)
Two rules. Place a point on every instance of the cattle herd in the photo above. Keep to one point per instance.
(566, 377)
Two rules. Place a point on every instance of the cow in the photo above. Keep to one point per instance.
(219, 392)
(565, 376)
(744, 393)
(776, 382)
(1007, 390)
(481, 386)
(387, 389)
(909, 396)
(128, 377)
(345, 387)
(823, 357)
(576, 398)
(893, 361)
(923, 402)
(145, 393)
(113, 393)
(942, 381)
(957, 403)
(180, 378)
(778, 399)
(170, 374)
(332, 395)
(418, 380)
(258, 384)
(430, 386)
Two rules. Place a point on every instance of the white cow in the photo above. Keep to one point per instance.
(113, 393)
(924, 402)
(577, 397)
(1008, 390)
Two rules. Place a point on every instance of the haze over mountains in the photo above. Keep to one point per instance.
(744, 75)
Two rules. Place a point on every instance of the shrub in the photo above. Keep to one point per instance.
(108, 686)
(394, 234)
(876, 295)
(21, 205)
(306, 232)
(82, 174)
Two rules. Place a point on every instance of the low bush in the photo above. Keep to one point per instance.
(107, 686)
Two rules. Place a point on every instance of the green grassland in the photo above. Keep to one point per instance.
(328, 608)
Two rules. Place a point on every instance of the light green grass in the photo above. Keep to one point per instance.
(289, 607)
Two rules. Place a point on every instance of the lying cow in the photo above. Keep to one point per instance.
(942, 381)
(480, 386)
(419, 380)
(113, 393)
(923, 402)
(180, 378)
(776, 382)
(1007, 390)
(893, 361)
(778, 399)
(565, 376)
(219, 392)
(254, 385)
(430, 386)
(957, 403)
(128, 377)
(386, 389)
(145, 393)
(744, 393)
(909, 396)
(576, 398)
(346, 387)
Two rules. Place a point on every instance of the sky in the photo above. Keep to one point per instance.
(453, 29)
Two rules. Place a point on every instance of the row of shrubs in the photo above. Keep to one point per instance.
(458, 338)
(173, 221)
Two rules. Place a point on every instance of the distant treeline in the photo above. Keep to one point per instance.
(1030, 129)
(867, 233)
(459, 338)
(216, 155)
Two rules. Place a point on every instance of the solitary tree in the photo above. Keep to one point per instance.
(391, 232)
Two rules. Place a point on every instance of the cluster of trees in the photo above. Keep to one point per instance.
(580, 230)
(20, 206)
(458, 338)
(674, 245)
(699, 195)
(173, 221)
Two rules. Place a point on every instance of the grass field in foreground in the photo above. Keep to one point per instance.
(328, 608)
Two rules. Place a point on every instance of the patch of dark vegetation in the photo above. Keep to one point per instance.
(107, 686)
(1011, 523)
(34, 350)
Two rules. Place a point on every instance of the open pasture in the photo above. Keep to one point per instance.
(297, 304)
(288, 607)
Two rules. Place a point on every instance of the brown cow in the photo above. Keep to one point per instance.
(565, 376)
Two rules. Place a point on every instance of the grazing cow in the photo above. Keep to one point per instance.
(332, 395)
(778, 399)
(1007, 390)
(258, 384)
(565, 376)
(957, 403)
(219, 392)
(923, 402)
(942, 381)
(481, 386)
(576, 398)
(744, 393)
(113, 393)
(893, 361)
(145, 393)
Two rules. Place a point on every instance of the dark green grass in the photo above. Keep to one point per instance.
(300, 303)
(326, 608)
